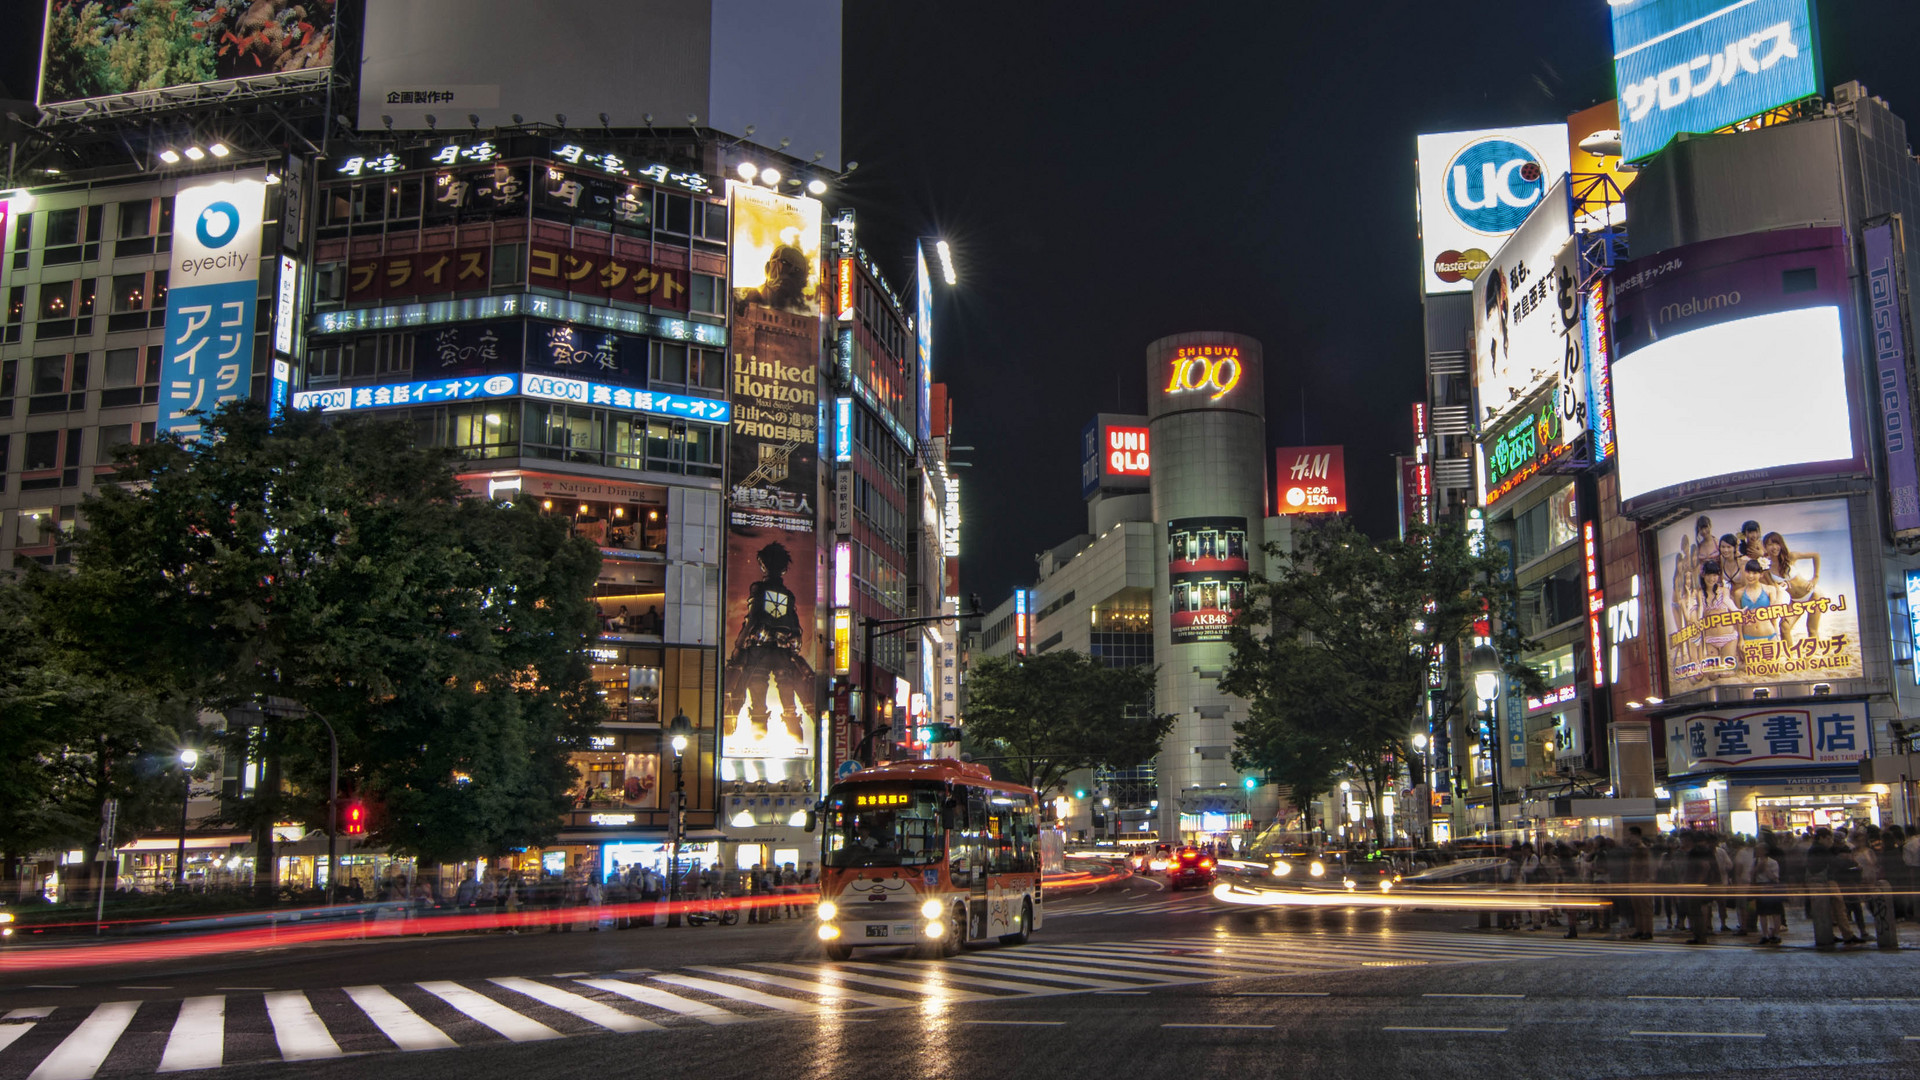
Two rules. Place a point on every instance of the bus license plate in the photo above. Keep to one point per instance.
(876, 931)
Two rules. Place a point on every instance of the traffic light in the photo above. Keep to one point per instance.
(353, 818)
(1079, 793)
(1251, 783)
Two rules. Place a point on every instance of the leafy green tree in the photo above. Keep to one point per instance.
(307, 569)
(1061, 711)
(1333, 654)
(73, 734)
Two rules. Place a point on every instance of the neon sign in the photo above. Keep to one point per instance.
(1596, 602)
(845, 282)
(1203, 368)
(1127, 452)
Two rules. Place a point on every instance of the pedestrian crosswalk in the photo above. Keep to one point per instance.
(211, 1031)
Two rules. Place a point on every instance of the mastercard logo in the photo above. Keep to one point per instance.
(1460, 265)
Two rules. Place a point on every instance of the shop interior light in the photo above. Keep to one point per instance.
(748, 170)
(770, 176)
(1651, 700)
(816, 186)
(218, 149)
(194, 153)
(170, 156)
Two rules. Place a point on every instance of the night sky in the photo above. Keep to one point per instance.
(1111, 173)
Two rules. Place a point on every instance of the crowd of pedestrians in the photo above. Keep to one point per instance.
(1703, 883)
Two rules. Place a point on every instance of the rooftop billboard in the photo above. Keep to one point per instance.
(1524, 304)
(1312, 480)
(1700, 65)
(1476, 187)
(95, 49)
(731, 64)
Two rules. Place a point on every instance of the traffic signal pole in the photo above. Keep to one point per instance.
(869, 632)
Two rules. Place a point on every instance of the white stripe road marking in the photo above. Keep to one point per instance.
(1513, 996)
(660, 999)
(1050, 972)
(38, 1012)
(199, 1035)
(861, 975)
(740, 993)
(1015, 1023)
(81, 1053)
(1675, 997)
(1253, 1027)
(397, 1021)
(1469, 1030)
(1699, 1034)
(487, 1011)
(298, 1029)
(1283, 993)
(1166, 964)
(825, 990)
(10, 1032)
(1031, 989)
(583, 1007)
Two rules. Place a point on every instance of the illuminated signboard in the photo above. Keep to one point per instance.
(1207, 576)
(598, 316)
(1697, 66)
(843, 429)
(843, 573)
(1596, 601)
(1114, 454)
(881, 798)
(1523, 306)
(1022, 631)
(1623, 625)
(1476, 187)
(950, 521)
(842, 642)
(1212, 370)
(1419, 420)
(286, 300)
(1523, 448)
(1125, 452)
(1890, 364)
(1913, 616)
(1746, 738)
(381, 161)
(208, 350)
(1313, 479)
(844, 313)
(1600, 379)
(548, 387)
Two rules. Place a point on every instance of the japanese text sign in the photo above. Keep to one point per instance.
(1766, 738)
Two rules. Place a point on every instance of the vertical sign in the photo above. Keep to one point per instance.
(769, 693)
(1890, 359)
(923, 336)
(208, 352)
(1599, 374)
(1596, 601)
(843, 429)
(1021, 629)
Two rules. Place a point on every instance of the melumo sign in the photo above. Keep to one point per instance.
(1213, 370)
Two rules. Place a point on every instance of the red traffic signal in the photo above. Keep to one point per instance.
(353, 818)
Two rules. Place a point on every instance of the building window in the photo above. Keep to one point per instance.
(112, 437)
(36, 527)
(42, 451)
(56, 300)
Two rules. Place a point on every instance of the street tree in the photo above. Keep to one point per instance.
(1058, 712)
(1334, 654)
(304, 570)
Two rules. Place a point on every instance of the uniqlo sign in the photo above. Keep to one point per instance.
(1126, 452)
(1311, 480)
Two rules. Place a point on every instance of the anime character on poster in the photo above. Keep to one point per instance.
(766, 674)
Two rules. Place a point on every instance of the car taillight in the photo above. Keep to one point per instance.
(1206, 862)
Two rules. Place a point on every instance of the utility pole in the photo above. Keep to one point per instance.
(870, 630)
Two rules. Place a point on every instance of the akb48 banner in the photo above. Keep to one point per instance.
(1206, 576)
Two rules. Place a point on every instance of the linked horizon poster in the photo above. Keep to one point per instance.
(770, 693)
(1759, 595)
(1207, 576)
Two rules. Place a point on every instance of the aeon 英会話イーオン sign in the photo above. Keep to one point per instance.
(1209, 369)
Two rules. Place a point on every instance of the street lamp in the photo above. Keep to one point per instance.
(1484, 664)
(1423, 801)
(189, 757)
(677, 731)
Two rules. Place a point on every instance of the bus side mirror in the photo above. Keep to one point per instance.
(813, 818)
(946, 815)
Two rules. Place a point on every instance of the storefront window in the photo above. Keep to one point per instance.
(621, 772)
(1795, 813)
(619, 525)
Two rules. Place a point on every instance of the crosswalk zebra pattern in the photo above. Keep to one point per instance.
(211, 1031)
(1156, 905)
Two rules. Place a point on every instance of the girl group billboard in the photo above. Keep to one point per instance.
(1760, 594)
(1206, 576)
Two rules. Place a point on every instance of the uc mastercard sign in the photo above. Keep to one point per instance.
(1476, 187)
(1699, 65)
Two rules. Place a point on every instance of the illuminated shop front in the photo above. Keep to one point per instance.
(1791, 767)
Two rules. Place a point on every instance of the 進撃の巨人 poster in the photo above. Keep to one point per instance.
(1760, 594)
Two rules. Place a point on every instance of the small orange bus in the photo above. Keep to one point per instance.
(933, 854)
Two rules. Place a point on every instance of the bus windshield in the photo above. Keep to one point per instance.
(890, 824)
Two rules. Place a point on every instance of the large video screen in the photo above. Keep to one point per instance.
(100, 50)
(1731, 365)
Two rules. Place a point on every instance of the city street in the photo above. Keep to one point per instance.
(1125, 976)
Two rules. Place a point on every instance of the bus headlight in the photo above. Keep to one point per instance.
(6, 916)
(828, 911)
(932, 909)
(1317, 868)
(935, 929)
(828, 931)
(1281, 868)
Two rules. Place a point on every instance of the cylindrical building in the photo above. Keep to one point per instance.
(1206, 410)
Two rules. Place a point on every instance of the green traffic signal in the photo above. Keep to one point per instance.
(1252, 783)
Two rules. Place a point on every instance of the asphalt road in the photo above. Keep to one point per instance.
(1124, 978)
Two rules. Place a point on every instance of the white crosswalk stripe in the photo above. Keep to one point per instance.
(1152, 905)
(73, 1043)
